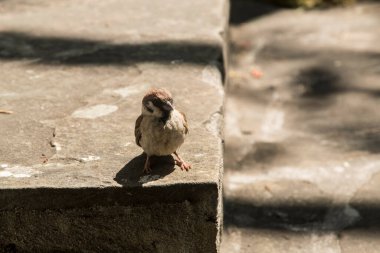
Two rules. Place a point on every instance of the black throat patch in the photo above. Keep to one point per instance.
(165, 116)
(165, 113)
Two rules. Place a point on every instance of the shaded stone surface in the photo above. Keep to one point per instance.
(302, 136)
(170, 219)
(74, 75)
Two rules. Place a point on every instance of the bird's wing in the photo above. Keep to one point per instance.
(185, 123)
(137, 130)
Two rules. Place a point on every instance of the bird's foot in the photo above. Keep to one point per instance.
(147, 170)
(183, 165)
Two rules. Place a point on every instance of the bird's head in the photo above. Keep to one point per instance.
(157, 103)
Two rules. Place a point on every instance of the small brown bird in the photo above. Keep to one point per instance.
(161, 129)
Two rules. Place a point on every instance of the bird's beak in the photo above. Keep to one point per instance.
(167, 106)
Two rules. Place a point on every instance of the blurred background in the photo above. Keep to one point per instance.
(302, 127)
(302, 3)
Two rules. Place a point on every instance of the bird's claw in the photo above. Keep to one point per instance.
(147, 170)
(185, 166)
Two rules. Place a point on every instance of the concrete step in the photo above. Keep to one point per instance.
(302, 168)
(74, 74)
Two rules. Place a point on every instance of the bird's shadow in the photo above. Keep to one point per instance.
(132, 174)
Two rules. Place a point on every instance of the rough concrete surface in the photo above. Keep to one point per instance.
(302, 130)
(74, 75)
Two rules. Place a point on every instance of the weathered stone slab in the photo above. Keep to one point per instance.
(306, 131)
(302, 131)
(74, 74)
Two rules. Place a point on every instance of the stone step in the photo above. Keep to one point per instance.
(74, 74)
(302, 168)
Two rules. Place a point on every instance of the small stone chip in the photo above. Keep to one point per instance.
(5, 111)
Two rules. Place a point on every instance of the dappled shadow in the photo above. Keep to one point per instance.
(291, 49)
(354, 136)
(329, 95)
(349, 120)
(259, 96)
(315, 87)
(132, 175)
(264, 153)
(243, 11)
(319, 82)
(74, 51)
(322, 216)
(334, 103)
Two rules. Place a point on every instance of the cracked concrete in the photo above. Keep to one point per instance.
(26, 142)
(74, 76)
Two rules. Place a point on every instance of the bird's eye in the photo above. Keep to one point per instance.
(148, 108)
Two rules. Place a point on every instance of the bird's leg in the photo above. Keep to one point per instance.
(147, 168)
(180, 162)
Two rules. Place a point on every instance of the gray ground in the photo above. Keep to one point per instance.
(75, 79)
(74, 73)
(302, 167)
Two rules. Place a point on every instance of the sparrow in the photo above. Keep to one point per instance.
(161, 129)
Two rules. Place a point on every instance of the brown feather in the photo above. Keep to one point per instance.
(185, 124)
(137, 130)
(157, 94)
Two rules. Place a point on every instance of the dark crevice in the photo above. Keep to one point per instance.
(211, 218)
(10, 248)
(53, 150)
(220, 64)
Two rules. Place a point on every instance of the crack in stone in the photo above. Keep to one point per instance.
(68, 160)
(339, 244)
(339, 247)
(71, 160)
(51, 145)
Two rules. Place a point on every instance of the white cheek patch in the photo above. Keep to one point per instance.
(147, 108)
(151, 109)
